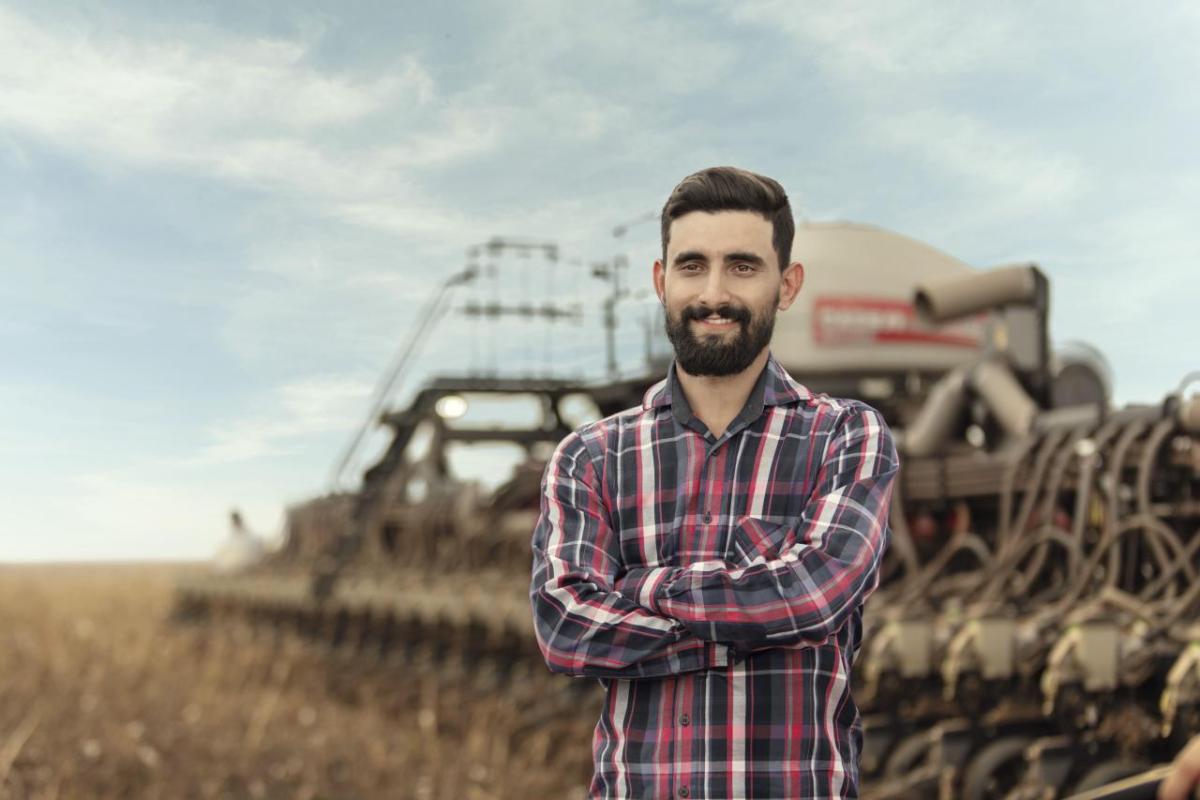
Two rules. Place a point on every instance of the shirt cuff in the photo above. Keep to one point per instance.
(642, 584)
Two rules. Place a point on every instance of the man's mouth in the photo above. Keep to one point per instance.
(717, 322)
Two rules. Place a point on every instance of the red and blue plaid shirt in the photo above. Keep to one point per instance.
(715, 585)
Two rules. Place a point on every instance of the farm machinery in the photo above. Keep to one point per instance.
(1033, 634)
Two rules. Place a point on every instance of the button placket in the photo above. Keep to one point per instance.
(707, 516)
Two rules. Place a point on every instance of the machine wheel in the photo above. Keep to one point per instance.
(993, 772)
(907, 755)
(1108, 772)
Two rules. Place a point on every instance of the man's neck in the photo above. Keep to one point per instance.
(716, 401)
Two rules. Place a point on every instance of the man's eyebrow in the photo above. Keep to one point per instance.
(690, 255)
(739, 255)
(744, 256)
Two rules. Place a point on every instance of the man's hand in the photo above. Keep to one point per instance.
(1184, 776)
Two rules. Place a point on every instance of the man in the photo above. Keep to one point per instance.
(706, 555)
(1183, 780)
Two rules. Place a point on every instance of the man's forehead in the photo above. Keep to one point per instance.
(716, 233)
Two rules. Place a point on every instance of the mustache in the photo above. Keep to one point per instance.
(739, 314)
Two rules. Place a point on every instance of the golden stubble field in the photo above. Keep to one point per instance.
(102, 697)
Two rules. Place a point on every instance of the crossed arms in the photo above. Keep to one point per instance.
(593, 617)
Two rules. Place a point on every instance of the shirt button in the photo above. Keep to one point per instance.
(707, 517)
(685, 720)
(683, 791)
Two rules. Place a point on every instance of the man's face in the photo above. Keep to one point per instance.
(721, 287)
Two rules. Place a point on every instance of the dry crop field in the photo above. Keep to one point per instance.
(102, 697)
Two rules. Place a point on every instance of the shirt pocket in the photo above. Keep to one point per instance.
(759, 539)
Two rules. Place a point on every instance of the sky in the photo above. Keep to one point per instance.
(219, 221)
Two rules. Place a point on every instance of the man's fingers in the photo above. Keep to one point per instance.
(1185, 774)
(1173, 788)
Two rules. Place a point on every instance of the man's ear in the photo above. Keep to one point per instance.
(660, 281)
(793, 279)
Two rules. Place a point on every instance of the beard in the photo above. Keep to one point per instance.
(715, 354)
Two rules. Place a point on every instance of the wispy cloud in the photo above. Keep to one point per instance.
(902, 67)
(251, 111)
(290, 414)
(1015, 171)
(867, 44)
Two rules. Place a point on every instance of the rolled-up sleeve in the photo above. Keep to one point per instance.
(585, 627)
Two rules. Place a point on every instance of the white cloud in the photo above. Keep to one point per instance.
(247, 110)
(867, 43)
(1012, 170)
(898, 66)
(646, 53)
(310, 406)
(151, 101)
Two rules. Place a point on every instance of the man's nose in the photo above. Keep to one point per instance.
(715, 292)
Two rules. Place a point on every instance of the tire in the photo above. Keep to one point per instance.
(1108, 772)
(907, 755)
(990, 773)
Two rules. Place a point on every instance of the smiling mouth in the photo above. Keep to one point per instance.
(717, 322)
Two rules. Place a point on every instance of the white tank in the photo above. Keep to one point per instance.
(855, 315)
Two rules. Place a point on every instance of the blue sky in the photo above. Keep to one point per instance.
(218, 220)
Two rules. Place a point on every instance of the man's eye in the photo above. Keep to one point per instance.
(744, 267)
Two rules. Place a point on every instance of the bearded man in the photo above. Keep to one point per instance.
(706, 555)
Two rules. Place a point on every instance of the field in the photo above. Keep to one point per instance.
(102, 697)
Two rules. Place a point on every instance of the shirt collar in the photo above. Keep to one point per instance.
(776, 386)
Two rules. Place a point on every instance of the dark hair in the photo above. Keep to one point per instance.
(732, 189)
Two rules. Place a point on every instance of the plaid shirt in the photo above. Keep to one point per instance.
(714, 586)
